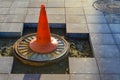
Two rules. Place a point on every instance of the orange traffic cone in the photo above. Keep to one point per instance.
(43, 43)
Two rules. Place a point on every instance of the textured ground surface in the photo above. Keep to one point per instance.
(79, 17)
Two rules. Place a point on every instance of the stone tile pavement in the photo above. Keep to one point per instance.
(79, 17)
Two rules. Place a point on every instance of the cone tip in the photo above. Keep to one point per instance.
(42, 6)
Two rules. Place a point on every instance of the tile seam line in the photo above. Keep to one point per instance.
(112, 33)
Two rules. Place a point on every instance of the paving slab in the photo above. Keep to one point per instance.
(3, 76)
(110, 76)
(115, 28)
(56, 1)
(38, 1)
(55, 10)
(117, 38)
(11, 29)
(101, 39)
(34, 5)
(118, 47)
(55, 4)
(6, 64)
(106, 51)
(5, 4)
(32, 18)
(4, 10)
(31, 77)
(109, 65)
(18, 11)
(92, 11)
(95, 19)
(56, 18)
(73, 3)
(54, 77)
(84, 77)
(112, 18)
(75, 11)
(33, 11)
(15, 18)
(87, 3)
(16, 77)
(75, 19)
(2, 18)
(83, 65)
(76, 28)
(98, 28)
(20, 4)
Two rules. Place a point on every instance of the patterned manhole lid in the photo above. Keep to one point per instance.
(112, 7)
(23, 52)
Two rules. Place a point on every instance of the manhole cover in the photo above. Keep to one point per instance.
(27, 56)
(108, 7)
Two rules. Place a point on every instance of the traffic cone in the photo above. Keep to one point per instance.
(43, 43)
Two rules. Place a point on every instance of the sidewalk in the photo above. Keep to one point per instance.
(80, 17)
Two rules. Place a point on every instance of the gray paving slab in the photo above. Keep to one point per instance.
(4, 10)
(56, 1)
(33, 11)
(92, 11)
(112, 18)
(55, 10)
(84, 77)
(101, 39)
(20, 4)
(54, 77)
(16, 77)
(6, 64)
(38, 1)
(73, 3)
(117, 38)
(5, 4)
(110, 76)
(118, 47)
(31, 77)
(55, 4)
(3, 76)
(87, 3)
(75, 11)
(18, 11)
(11, 29)
(15, 18)
(75, 19)
(76, 28)
(2, 18)
(96, 19)
(106, 51)
(56, 18)
(98, 28)
(34, 4)
(83, 65)
(109, 65)
(32, 18)
(115, 28)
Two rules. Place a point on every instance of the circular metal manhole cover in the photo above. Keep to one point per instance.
(112, 7)
(27, 56)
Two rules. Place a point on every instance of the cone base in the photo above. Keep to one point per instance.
(43, 49)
